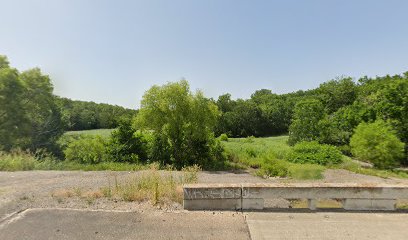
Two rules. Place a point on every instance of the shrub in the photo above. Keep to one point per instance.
(378, 143)
(87, 149)
(223, 137)
(17, 160)
(306, 171)
(272, 167)
(313, 152)
(126, 144)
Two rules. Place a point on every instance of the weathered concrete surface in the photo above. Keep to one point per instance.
(226, 196)
(213, 204)
(333, 226)
(369, 204)
(212, 191)
(252, 204)
(326, 190)
(45, 224)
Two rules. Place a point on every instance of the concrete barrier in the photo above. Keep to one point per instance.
(251, 196)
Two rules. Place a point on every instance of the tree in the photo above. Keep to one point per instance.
(377, 142)
(126, 144)
(181, 122)
(13, 120)
(337, 93)
(46, 124)
(305, 124)
(29, 115)
(393, 106)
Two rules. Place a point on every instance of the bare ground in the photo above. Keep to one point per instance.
(39, 189)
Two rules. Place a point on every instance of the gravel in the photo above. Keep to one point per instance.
(34, 189)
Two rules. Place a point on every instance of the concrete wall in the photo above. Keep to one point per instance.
(251, 196)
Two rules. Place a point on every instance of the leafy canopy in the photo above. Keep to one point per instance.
(182, 123)
(377, 142)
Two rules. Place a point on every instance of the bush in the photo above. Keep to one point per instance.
(275, 168)
(223, 137)
(87, 150)
(127, 145)
(272, 167)
(306, 171)
(378, 143)
(17, 160)
(313, 152)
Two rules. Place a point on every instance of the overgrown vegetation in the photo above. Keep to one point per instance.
(151, 185)
(176, 127)
(182, 126)
(269, 156)
(313, 152)
(378, 143)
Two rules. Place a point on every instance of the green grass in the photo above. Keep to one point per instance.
(351, 166)
(93, 132)
(25, 161)
(268, 156)
(249, 151)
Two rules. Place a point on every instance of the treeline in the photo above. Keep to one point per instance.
(328, 114)
(33, 118)
(264, 114)
(82, 115)
(367, 118)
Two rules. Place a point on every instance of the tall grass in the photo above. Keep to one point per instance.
(152, 185)
(351, 166)
(94, 132)
(18, 160)
(250, 151)
(268, 156)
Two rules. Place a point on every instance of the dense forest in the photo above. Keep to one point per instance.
(82, 115)
(367, 118)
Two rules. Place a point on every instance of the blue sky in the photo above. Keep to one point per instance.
(113, 51)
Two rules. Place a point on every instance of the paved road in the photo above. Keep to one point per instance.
(324, 225)
(43, 224)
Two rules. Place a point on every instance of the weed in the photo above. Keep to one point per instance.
(306, 171)
(77, 191)
(152, 185)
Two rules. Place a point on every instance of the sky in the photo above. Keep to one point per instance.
(114, 51)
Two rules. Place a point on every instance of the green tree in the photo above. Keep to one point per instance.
(13, 120)
(377, 142)
(40, 106)
(127, 144)
(182, 122)
(29, 115)
(337, 93)
(305, 123)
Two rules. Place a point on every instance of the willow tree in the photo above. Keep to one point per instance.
(182, 123)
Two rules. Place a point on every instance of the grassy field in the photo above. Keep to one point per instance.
(268, 157)
(250, 151)
(100, 132)
(263, 156)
